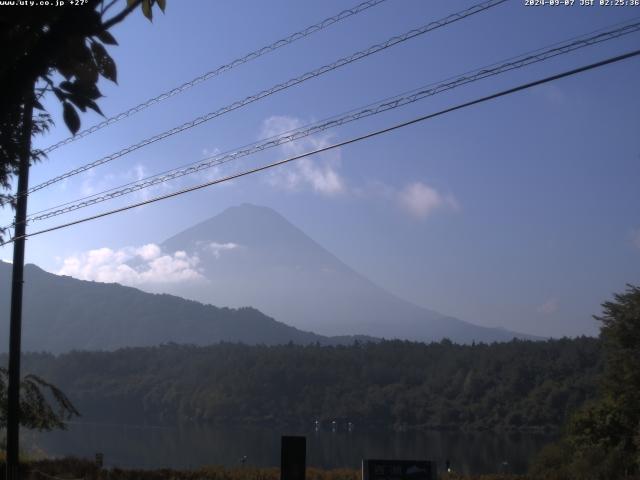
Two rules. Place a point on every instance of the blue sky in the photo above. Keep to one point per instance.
(523, 212)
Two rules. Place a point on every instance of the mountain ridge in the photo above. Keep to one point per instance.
(62, 313)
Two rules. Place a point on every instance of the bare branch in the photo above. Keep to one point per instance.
(121, 16)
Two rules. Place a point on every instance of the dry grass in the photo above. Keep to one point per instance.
(73, 468)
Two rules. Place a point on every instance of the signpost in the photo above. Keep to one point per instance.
(293, 458)
(398, 470)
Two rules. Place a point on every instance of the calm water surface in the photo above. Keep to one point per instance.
(191, 446)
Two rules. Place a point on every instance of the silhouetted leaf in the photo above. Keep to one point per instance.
(106, 38)
(106, 65)
(99, 52)
(68, 86)
(60, 94)
(77, 51)
(71, 118)
(162, 4)
(65, 70)
(87, 74)
(92, 92)
(80, 89)
(79, 101)
(94, 106)
(146, 9)
(93, 20)
(108, 70)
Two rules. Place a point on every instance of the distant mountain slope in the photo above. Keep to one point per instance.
(62, 313)
(253, 256)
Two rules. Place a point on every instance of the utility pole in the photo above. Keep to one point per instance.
(15, 333)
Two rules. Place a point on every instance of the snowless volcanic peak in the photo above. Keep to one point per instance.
(251, 255)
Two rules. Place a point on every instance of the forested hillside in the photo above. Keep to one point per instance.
(520, 384)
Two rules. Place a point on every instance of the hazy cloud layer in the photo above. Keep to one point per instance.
(320, 174)
(416, 198)
(549, 307)
(93, 184)
(217, 248)
(421, 200)
(132, 266)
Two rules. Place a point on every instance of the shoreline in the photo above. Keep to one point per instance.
(72, 467)
(306, 427)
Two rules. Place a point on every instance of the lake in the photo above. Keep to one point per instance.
(192, 446)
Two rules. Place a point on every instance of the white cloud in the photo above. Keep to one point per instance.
(549, 307)
(319, 174)
(214, 172)
(93, 183)
(210, 152)
(138, 173)
(149, 251)
(132, 266)
(422, 200)
(217, 248)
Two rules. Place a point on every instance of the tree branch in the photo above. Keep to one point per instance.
(121, 16)
(105, 9)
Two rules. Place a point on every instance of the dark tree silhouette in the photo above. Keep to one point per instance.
(602, 440)
(46, 44)
(43, 406)
(59, 51)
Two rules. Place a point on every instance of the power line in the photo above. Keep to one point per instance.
(277, 88)
(219, 70)
(339, 120)
(340, 144)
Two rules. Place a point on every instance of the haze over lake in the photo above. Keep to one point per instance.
(192, 446)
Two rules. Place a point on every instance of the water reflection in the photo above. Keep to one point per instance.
(191, 446)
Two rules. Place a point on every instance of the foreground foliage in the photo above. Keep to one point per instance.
(602, 439)
(55, 52)
(515, 385)
(76, 468)
(43, 406)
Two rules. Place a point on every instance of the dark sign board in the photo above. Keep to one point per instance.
(293, 458)
(398, 470)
